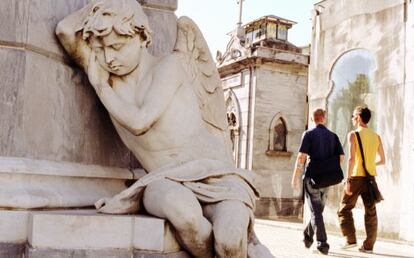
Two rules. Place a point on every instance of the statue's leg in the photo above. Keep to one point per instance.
(230, 220)
(172, 201)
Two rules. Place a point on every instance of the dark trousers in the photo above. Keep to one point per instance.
(346, 221)
(316, 200)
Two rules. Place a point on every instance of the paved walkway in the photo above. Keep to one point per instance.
(284, 239)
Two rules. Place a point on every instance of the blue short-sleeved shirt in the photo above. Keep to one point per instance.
(320, 143)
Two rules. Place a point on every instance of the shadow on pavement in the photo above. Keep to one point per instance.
(391, 255)
(353, 255)
(339, 255)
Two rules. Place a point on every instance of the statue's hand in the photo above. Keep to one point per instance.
(117, 206)
(100, 203)
(127, 201)
(98, 76)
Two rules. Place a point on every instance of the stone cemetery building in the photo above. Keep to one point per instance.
(265, 79)
(362, 52)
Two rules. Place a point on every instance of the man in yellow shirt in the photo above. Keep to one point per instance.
(356, 183)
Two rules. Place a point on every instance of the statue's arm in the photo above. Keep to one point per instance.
(67, 31)
(167, 79)
(138, 119)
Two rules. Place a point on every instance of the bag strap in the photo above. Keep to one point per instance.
(362, 155)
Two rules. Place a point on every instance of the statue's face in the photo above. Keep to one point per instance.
(116, 53)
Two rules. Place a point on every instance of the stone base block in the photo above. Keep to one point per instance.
(85, 234)
(13, 227)
(104, 253)
(85, 229)
(9, 250)
(146, 254)
(58, 253)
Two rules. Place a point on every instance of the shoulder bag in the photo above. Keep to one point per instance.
(372, 186)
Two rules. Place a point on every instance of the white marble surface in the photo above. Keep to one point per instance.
(407, 177)
(29, 183)
(14, 18)
(13, 226)
(15, 165)
(85, 229)
(153, 234)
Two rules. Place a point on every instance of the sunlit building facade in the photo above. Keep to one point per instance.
(265, 78)
(362, 53)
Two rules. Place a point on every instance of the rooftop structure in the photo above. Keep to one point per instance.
(265, 37)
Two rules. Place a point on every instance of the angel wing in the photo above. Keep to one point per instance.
(202, 69)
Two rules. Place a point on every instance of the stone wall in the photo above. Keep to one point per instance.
(407, 177)
(379, 27)
(48, 109)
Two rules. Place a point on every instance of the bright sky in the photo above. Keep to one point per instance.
(218, 17)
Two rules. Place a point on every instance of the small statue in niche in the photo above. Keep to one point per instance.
(170, 112)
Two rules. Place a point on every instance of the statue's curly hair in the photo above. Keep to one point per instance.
(125, 17)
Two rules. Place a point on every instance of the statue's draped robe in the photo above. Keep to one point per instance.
(210, 180)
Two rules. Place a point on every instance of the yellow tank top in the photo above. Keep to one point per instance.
(370, 143)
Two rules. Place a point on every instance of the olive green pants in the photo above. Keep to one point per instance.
(346, 220)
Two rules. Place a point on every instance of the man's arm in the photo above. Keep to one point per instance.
(351, 161)
(381, 154)
(299, 166)
(304, 149)
(339, 149)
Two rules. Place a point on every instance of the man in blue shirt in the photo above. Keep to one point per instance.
(317, 143)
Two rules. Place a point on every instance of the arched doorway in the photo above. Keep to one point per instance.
(351, 80)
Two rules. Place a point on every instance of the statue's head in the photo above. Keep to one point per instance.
(117, 31)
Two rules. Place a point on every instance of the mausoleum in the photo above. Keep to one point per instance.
(265, 79)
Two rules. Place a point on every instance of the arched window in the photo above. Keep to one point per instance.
(351, 80)
(278, 137)
(233, 118)
(280, 134)
(234, 129)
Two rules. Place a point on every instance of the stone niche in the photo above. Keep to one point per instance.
(58, 148)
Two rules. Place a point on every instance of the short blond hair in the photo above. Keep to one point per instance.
(318, 114)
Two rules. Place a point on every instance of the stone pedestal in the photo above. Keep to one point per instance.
(85, 234)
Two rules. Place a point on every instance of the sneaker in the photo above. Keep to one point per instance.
(362, 249)
(323, 248)
(347, 245)
(320, 250)
(307, 241)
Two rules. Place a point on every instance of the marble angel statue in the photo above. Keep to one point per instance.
(170, 112)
